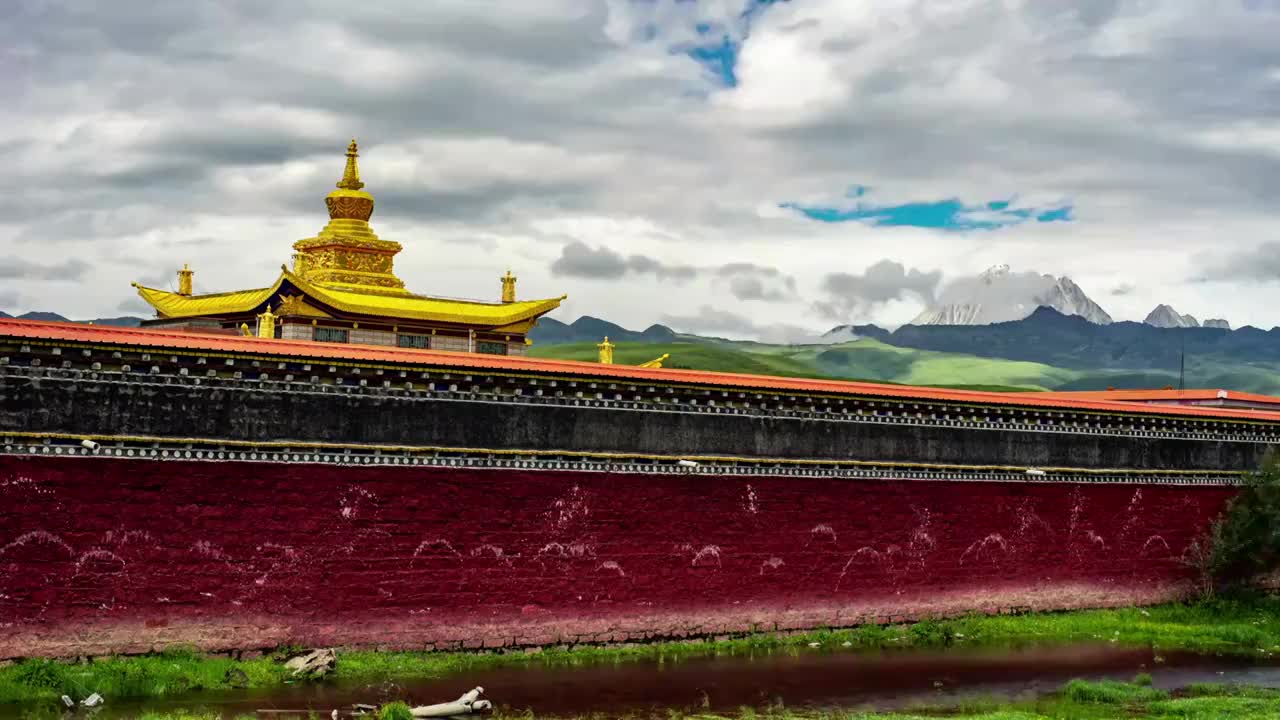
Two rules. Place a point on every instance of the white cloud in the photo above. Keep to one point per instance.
(496, 133)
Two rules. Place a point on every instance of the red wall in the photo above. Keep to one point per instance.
(100, 556)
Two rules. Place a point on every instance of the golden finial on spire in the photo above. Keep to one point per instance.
(351, 175)
(349, 202)
(508, 288)
(606, 351)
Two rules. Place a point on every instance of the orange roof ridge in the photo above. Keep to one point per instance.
(171, 339)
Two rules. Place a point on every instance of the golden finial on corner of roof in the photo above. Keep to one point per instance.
(267, 323)
(606, 351)
(508, 288)
(656, 362)
(351, 175)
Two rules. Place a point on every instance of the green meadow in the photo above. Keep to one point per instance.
(872, 360)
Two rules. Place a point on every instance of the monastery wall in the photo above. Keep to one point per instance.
(358, 415)
(103, 555)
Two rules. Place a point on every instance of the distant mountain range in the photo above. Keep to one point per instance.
(123, 321)
(1050, 337)
(1045, 336)
(1001, 295)
(549, 331)
(1046, 349)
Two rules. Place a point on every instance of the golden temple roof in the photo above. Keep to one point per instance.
(348, 268)
(360, 302)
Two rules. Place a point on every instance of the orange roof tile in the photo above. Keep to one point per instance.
(1194, 394)
(160, 338)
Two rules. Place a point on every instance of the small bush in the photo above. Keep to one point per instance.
(395, 711)
(1110, 692)
(40, 673)
(930, 632)
(1246, 541)
(1142, 679)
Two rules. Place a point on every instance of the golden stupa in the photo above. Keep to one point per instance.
(343, 288)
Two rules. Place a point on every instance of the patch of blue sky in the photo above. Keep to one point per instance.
(950, 214)
(718, 48)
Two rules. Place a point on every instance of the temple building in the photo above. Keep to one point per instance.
(342, 288)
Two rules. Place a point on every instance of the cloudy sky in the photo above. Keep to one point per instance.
(737, 167)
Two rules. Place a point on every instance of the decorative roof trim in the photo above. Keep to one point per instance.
(169, 339)
(173, 306)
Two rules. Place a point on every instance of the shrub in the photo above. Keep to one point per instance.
(1245, 542)
(395, 711)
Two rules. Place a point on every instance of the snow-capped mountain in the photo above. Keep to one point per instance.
(1166, 317)
(1217, 323)
(999, 295)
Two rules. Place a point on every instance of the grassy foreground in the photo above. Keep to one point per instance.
(1078, 700)
(1238, 626)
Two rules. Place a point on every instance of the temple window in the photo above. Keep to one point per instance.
(336, 335)
(413, 341)
(491, 348)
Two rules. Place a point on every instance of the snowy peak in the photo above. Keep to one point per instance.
(994, 274)
(1001, 295)
(1217, 323)
(1166, 317)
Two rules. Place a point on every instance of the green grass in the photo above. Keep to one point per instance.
(1078, 700)
(863, 360)
(1246, 627)
(694, 356)
(873, 360)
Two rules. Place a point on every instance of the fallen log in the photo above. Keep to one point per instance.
(469, 703)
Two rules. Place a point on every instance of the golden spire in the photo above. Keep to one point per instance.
(351, 175)
(509, 288)
(606, 351)
(184, 279)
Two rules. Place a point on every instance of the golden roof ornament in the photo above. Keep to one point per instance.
(656, 362)
(185, 276)
(606, 351)
(351, 175)
(349, 201)
(509, 288)
(267, 323)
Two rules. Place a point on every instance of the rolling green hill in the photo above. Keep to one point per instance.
(873, 360)
(862, 360)
(1046, 350)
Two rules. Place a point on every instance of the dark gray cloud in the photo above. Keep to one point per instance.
(884, 281)
(131, 124)
(578, 260)
(1257, 264)
(1123, 289)
(135, 306)
(749, 281)
(723, 323)
(744, 280)
(66, 271)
